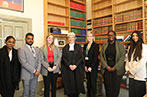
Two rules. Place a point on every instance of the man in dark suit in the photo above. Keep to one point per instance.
(30, 66)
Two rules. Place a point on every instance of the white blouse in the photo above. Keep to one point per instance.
(138, 68)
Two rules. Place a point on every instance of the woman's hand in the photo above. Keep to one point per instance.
(50, 69)
(89, 69)
(86, 69)
(54, 68)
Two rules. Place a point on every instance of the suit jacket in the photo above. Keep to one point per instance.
(92, 55)
(120, 57)
(44, 59)
(29, 64)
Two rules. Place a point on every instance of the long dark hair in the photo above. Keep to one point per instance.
(137, 46)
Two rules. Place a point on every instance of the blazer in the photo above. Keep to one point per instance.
(120, 57)
(44, 59)
(28, 63)
(92, 55)
(9, 70)
(138, 68)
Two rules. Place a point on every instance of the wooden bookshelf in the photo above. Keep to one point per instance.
(80, 1)
(78, 10)
(78, 15)
(122, 12)
(59, 17)
(77, 18)
(57, 13)
(134, 20)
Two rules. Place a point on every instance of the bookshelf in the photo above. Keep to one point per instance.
(123, 16)
(126, 16)
(68, 15)
(101, 19)
(78, 20)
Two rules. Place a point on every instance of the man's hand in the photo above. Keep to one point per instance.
(37, 73)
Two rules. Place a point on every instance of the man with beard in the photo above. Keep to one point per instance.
(30, 66)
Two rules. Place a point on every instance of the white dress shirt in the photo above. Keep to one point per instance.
(71, 47)
(10, 55)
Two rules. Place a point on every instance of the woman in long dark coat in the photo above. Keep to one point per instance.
(91, 52)
(72, 68)
(9, 68)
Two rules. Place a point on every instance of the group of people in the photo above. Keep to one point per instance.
(28, 62)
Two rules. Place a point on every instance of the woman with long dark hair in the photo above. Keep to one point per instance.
(9, 68)
(136, 65)
(112, 57)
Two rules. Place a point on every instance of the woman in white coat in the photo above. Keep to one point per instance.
(136, 65)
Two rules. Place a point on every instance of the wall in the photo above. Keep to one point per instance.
(32, 9)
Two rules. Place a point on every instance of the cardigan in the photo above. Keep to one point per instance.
(138, 68)
(120, 57)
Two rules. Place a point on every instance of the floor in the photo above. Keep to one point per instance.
(60, 93)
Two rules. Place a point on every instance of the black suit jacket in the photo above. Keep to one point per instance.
(92, 56)
(9, 71)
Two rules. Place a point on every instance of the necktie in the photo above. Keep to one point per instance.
(33, 52)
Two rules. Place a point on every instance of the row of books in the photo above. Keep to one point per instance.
(81, 39)
(102, 30)
(135, 14)
(101, 40)
(77, 14)
(102, 21)
(129, 26)
(56, 23)
(77, 6)
(78, 31)
(77, 23)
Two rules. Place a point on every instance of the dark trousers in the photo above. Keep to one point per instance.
(51, 78)
(73, 95)
(9, 94)
(112, 83)
(136, 88)
(91, 84)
